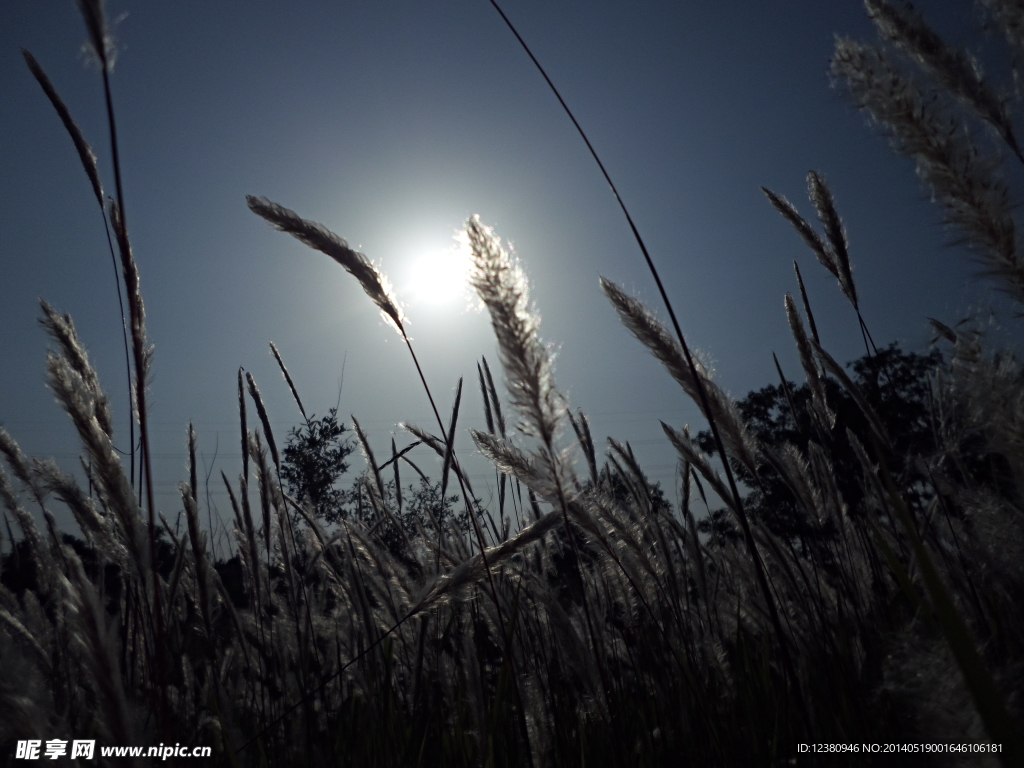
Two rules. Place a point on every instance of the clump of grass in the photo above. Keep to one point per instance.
(606, 626)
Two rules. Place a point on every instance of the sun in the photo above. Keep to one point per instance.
(440, 277)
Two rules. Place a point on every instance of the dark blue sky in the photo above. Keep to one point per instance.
(391, 122)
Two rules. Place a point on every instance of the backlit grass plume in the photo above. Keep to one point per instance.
(921, 123)
(322, 239)
(502, 287)
(643, 324)
(832, 251)
(957, 72)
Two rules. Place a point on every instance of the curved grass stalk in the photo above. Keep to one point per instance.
(88, 160)
(377, 287)
(702, 395)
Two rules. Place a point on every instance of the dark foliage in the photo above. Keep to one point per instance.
(421, 505)
(313, 462)
(897, 384)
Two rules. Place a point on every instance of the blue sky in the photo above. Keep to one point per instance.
(391, 122)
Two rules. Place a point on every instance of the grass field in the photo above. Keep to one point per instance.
(824, 580)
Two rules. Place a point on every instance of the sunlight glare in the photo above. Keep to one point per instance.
(440, 278)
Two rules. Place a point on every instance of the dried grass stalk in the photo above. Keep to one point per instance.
(502, 286)
(261, 410)
(954, 69)
(288, 379)
(649, 330)
(976, 198)
(85, 153)
(806, 351)
(322, 239)
(825, 205)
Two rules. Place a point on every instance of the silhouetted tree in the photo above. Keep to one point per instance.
(314, 461)
(897, 384)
